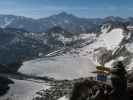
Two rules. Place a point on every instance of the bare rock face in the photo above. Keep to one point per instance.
(4, 82)
(58, 89)
(95, 90)
(89, 89)
(79, 89)
(71, 89)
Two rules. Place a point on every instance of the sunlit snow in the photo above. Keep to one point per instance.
(63, 98)
(24, 90)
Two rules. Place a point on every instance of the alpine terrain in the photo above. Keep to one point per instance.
(43, 58)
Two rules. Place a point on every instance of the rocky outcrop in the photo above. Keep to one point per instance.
(58, 89)
(80, 88)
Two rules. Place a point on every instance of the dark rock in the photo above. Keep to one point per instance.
(79, 89)
(4, 82)
(10, 68)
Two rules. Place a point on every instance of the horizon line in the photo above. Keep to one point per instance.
(35, 18)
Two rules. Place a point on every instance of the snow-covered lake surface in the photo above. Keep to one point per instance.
(24, 90)
(60, 67)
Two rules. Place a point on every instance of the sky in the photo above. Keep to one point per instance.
(81, 8)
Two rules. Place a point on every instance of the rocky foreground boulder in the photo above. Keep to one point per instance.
(80, 89)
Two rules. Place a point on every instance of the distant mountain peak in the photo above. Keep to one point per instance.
(114, 18)
(64, 14)
(67, 21)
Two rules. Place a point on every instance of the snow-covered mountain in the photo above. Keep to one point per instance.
(80, 60)
(111, 45)
(16, 42)
(29, 45)
(19, 22)
(113, 41)
(67, 21)
(65, 54)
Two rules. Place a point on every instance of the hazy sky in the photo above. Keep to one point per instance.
(82, 8)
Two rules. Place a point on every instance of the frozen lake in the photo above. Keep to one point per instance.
(60, 67)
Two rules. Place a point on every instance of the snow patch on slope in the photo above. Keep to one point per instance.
(63, 98)
(129, 47)
(130, 66)
(111, 39)
(7, 21)
(87, 36)
(64, 39)
(24, 90)
(110, 63)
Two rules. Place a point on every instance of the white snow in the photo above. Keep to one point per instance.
(130, 27)
(63, 98)
(64, 39)
(24, 90)
(110, 63)
(66, 66)
(110, 40)
(88, 36)
(130, 66)
(7, 21)
(129, 35)
(129, 47)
